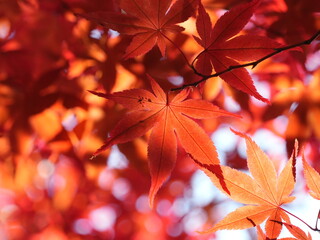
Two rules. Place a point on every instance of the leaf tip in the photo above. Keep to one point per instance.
(126, 56)
(296, 147)
(210, 230)
(101, 149)
(93, 92)
(152, 193)
(99, 94)
(266, 100)
(151, 203)
(240, 134)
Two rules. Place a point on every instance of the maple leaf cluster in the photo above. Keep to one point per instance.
(109, 108)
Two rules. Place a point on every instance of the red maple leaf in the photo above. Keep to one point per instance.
(168, 117)
(149, 21)
(222, 49)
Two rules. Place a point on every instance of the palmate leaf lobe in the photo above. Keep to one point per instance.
(168, 118)
(223, 49)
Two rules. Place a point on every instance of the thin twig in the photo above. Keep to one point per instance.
(179, 49)
(317, 220)
(253, 64)
(313, 229)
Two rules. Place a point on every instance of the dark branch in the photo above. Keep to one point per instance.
(316, 227)
(253, 64)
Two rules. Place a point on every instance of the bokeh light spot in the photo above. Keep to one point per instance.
(164, 207)
(121, 188)
(45, 168)
(203, 190)
(103, 218)
(142, 204)
(82, 226)
(153, 224)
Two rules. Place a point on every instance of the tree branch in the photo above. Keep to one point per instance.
(253, 64)
(316, 227)
(313, 229)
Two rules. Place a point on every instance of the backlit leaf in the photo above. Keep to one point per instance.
(148, 21)
(166, 118)
(223, 49)
(261, 191)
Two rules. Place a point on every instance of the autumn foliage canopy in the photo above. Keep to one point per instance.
(116, 114)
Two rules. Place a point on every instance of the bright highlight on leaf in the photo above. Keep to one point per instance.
(264, 192)
(167, 119)
(222, 49)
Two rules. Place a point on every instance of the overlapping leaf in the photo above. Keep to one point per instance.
(149, 21)
(168, 118)
(222, 49)
(297, 232)
(264, 191)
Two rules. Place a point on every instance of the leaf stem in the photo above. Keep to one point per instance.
(313, 229)
(253, 64)
(179, 49)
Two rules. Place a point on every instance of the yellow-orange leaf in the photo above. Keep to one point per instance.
(260, 234)
(261, 168)
(273, 225)
(312, 178)
(264, 191)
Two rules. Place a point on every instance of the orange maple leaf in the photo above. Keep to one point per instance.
(312, 178)
(167, 117)
(264, 191)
